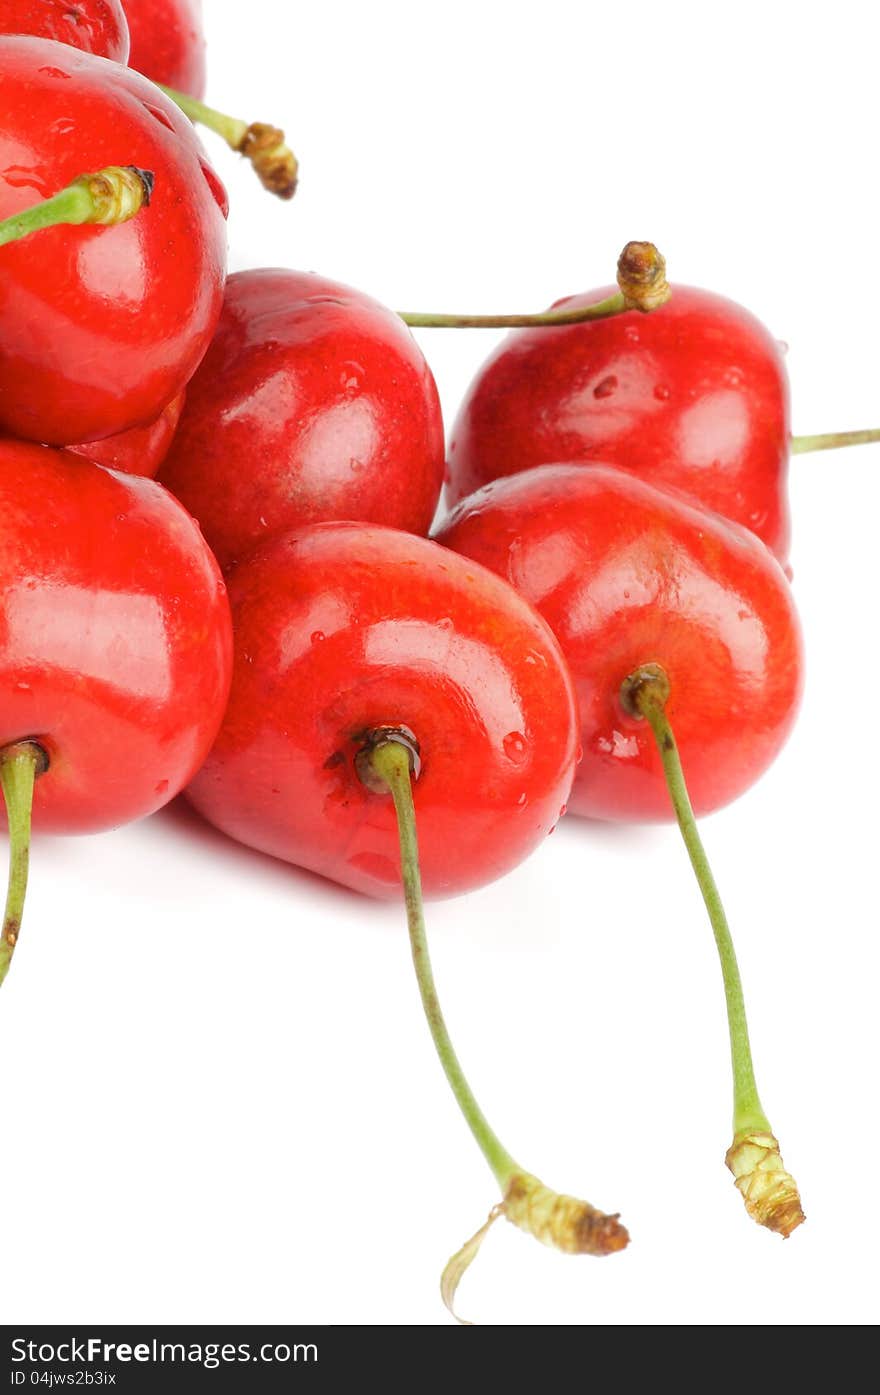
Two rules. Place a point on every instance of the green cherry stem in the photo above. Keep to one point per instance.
(275, 164)
(20, 766)
(386, 765)
(601, 310)
(769, 1192)
(113, 195)
(641, 277)
(831, 440)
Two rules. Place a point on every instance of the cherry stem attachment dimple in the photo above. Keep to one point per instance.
(833, 440)
(20, 765)
(113, 195)
(641, 277)
(769, 1192)
(386, 764)
(265, 146)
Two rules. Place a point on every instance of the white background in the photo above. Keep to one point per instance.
(220, 1100)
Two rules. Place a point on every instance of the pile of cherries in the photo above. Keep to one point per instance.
(304, 661)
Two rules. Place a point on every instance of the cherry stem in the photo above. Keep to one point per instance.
(601, 310)
(831, 440)
(113, 195)
(386, 764)
(390, 761)
(275, 164)
(20, 766)
(769, 1192)
(641, 276)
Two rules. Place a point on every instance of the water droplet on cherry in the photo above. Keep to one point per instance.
(515, 746)
(607, 387)
(159, 115)
(317, 636)
(218, 191)
(661, 392)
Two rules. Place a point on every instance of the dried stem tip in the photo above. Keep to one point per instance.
(641, 276)
(273, 160)
(769, 1192)
(564, 1222)
(117, 192)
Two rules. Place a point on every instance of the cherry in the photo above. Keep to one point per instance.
(626, 574)
(313, 403)
(128, 311)
(95, 26)
(168, 42)
(343, 628)
(668, 615)
(694, 396)
(115, 650)
(141, 450)
(371, 663)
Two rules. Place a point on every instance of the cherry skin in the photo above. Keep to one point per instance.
(168, 43)
(95, 26)
(115, 638)
(692, 396)
(313, 403)
(343, 629)
(627, 575)
(141, 450)
(100, 327)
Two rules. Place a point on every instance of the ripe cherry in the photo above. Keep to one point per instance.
(668, 616)
(369, 662)
(694, 399)
(626, 574)
(168, 42)
(115, 649)
(353, 628)
(313, 403)
(95, 26)
(127, 311)
(694, 396)
(141, 450)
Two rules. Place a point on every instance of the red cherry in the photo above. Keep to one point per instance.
(95, 26)
(682, 638)
(342, 629)
(100, 327)
(168, 42)
(371, 663)
(313, 403)
(693, 395)
(141, 450)
(628, 575)
(115, 642)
